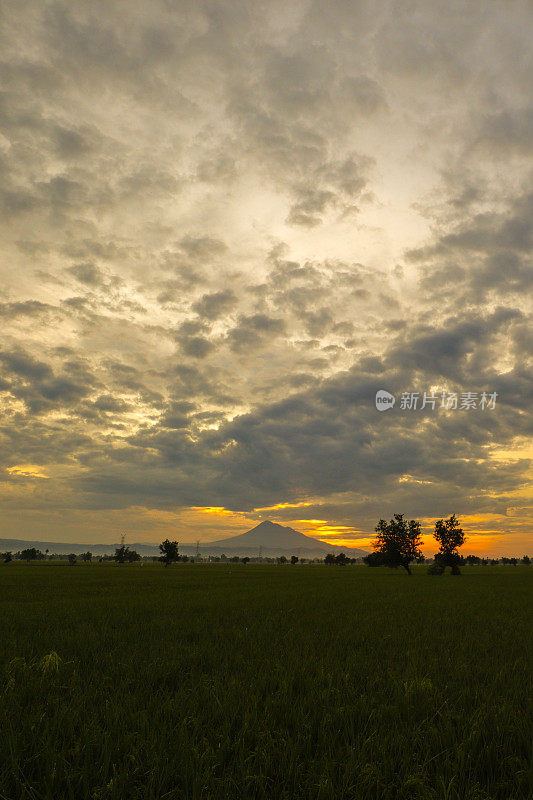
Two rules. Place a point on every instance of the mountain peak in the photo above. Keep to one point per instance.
(273, 536)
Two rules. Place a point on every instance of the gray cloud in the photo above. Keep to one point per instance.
(225, 226)
(255, 329)
(213, 305)
(87, 273)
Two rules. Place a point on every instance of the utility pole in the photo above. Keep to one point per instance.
(197, 549)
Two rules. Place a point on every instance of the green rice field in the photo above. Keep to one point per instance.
(219, 681)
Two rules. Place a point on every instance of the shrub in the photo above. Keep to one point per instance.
(436, 568)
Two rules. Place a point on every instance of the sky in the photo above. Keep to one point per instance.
(225, 226)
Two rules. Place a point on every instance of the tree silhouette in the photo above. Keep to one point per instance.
(120, 554)
(398, 542)
(31, 554)
(450, 537)
(169, 552)
(124, 553)
(294, 560)
(373, 560)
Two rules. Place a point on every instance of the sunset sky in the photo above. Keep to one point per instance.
(226, 225)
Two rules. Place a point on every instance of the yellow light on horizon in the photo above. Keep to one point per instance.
(285, 505)
(215, 510)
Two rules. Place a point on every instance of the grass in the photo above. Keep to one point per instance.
(251, 681)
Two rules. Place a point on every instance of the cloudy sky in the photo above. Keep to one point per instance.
(226, 224)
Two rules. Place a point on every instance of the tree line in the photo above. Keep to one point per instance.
(397, 544)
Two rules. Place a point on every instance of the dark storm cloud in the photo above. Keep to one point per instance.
(483, 256)
(106, 402)
(331, 439)
(54, 444)
(21, 364)
(40, 387)
(445, 352)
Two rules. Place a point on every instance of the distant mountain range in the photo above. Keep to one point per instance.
(268, 539)
(75, 547)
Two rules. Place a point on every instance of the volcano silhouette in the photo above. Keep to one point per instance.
(277, 539)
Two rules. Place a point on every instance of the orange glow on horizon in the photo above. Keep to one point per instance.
(487, 534)
(365, 544)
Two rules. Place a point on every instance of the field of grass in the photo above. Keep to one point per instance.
(251, 681)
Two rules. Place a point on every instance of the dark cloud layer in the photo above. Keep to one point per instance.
(226, 225)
